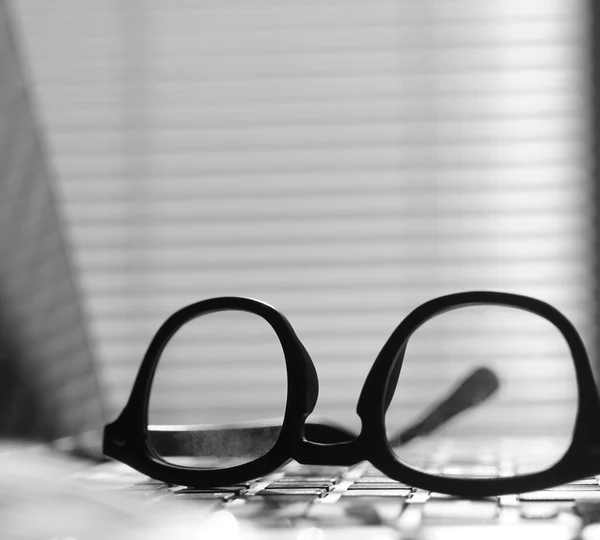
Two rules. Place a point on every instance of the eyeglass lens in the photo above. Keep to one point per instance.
(519, 412)
(241, 381)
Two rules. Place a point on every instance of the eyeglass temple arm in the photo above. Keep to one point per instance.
(250, 439)
(479, 386)
(256, 439)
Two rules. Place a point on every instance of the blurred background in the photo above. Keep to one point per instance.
(343, 161)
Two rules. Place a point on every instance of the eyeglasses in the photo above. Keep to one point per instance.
(268, 447)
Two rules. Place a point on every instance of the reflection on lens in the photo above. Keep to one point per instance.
(484, 391)
(219, 392)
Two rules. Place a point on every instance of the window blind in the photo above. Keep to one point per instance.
(344, 161)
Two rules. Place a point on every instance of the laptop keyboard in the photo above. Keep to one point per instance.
(299, 502)
(342, 497)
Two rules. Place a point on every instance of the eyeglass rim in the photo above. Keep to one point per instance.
(127, 438)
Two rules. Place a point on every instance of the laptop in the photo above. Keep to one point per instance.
(54, 490)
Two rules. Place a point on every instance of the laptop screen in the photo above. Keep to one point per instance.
(46, 367)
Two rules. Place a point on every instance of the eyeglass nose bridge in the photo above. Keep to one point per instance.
(344, 453)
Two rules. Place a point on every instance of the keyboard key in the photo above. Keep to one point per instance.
(297, 483)
(360, 484)
(542, 509)
(576, 487)
(434, 495)
(381, 480)
(398, 492)
(462, 510)
(349, 512)
(292, 493)
(558, 495)
(327, 478)
(547, 495)
(228, 490)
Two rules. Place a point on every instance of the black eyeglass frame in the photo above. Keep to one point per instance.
(127, 438)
